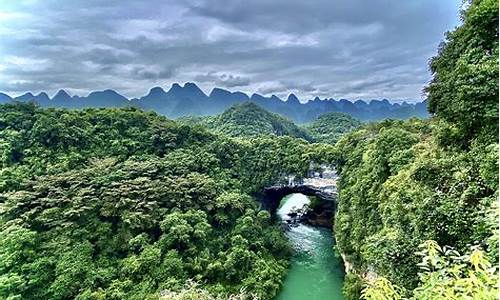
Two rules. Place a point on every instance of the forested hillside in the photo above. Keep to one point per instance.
(407, 182)
(122, 204)
(248, 119)
(328, 128)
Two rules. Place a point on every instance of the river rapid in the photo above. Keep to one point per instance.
(315, 273)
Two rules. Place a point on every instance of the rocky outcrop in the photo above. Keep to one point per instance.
(368, 275)
(323, 219)
(321, 214)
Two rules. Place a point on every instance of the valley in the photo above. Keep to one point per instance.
(180, 195)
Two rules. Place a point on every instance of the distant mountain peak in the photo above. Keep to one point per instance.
(191, 85)
(62, 93)
(156, 91)
(25, 97)
(292, 98)
(274, 97)
(218, 92)
(42, 96)
(176, 85)
(189, 99)
(4, 98)
(61, 96)
(192, 88)
(104, 92)
(257, 97)
(175, 88)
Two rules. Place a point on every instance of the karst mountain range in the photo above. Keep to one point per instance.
(191, 100)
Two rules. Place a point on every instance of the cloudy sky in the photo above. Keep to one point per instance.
(335, 48)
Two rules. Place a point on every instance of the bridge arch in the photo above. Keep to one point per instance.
(318, 185)
(272, 196)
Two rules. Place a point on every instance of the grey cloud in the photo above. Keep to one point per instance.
(224, 80)
(300, 86)
(315, 15)
(23, 86)
(341, 48)
(272, 88)
(148, 73)
(232, 81)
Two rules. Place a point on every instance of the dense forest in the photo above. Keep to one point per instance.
(247, 120)
(122, 204)
(328, 128)
(418, 204)
(250, 120)
(119, 203)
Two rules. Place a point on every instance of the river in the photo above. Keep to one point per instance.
(315, 273)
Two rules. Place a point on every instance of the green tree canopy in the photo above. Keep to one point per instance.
(464, 88)
(124, 204)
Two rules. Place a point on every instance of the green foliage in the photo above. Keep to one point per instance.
(398, 188)
(248, 120)
(192, 291)
(352, 287)
(445, 274)
(123, 204)
(403, 183)
(382, 289)
(464, 89)
(328, 128)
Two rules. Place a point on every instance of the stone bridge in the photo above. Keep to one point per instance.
(322, 185)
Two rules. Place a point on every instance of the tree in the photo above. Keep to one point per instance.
(464, 88)
(328, 128)
(122, 204)
(445, 275)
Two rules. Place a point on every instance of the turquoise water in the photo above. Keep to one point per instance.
(315, 273)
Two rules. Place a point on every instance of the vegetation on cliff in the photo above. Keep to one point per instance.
(445, 274)
(406, 182)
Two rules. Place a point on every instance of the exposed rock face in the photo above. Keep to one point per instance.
(348, 267)
(321, 219)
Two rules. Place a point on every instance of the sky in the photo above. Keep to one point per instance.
(354, 49)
